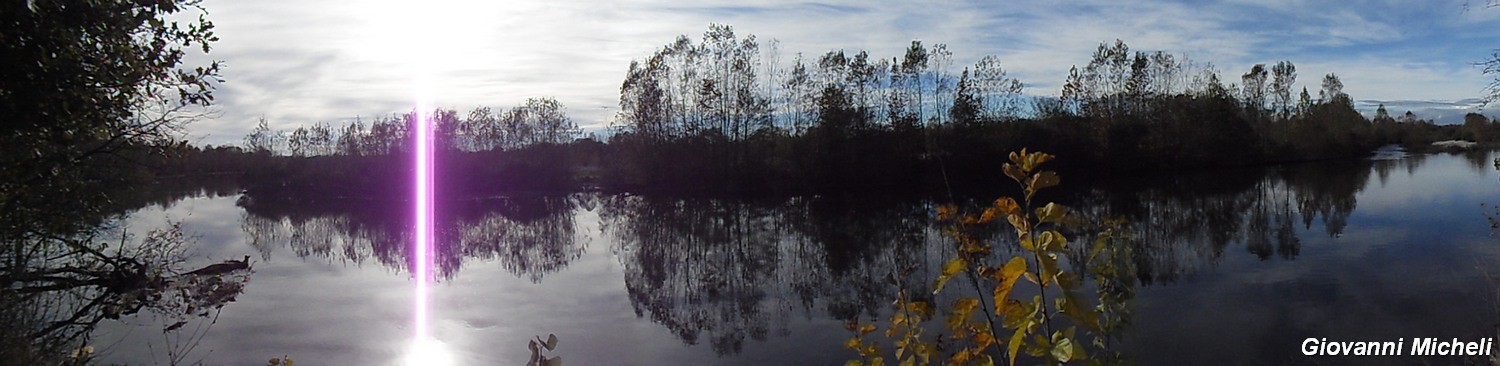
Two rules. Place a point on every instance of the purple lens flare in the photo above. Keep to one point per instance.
(424, 349)
(423, 243)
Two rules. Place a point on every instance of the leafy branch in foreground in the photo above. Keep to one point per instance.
(1051, 328)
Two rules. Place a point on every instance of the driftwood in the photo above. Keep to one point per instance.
(222, 267)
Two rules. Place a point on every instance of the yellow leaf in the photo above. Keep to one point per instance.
(852, 343)
(1007, 206)
(1035, 160)
(1052, 212)
(946, 212)
(854, 363)
(1008, 276)
(878, 361)
(959, 358)
(961, 310)
(985, 360)
(984, 340)
(1043, 180)
(1014, 172)
(953, 267)
(1050, 270)
(1053, 241)
(867, 328)
(1062, 350)
(1018, 222)
(1015, 343)
(989, 215)
(919, 307)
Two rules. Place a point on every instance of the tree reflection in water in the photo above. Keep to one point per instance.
(531, 236)
(68, 263)
(52, 304)
(734, 270)
(723, 271)
(730, 270)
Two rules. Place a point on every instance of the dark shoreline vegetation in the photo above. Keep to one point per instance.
(718, 117)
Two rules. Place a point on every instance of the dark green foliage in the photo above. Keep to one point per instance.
(94, 94)
(88, 90)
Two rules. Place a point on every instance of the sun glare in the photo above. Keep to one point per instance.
(428, 352)
(425, 349)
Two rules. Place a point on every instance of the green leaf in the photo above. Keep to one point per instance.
(555, 361)
(551, 342)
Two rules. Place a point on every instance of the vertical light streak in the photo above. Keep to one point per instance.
(424, 180)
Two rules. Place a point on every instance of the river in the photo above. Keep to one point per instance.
(1235, 266)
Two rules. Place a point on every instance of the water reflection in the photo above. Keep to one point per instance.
(732, 270)
(723, 272)
(531, 236)
(68, 261)
(1186, 221)
(732, 275)
(52, 305)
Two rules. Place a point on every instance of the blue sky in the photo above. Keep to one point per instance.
(301, 62)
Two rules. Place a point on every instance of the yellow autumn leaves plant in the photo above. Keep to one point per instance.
(1047, 327)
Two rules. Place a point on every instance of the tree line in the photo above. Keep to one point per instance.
(717, 115)
(721, 115)
(536, 121)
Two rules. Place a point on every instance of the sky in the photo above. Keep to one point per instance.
(295, 63)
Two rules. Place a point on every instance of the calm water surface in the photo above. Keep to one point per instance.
(1236, 266)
